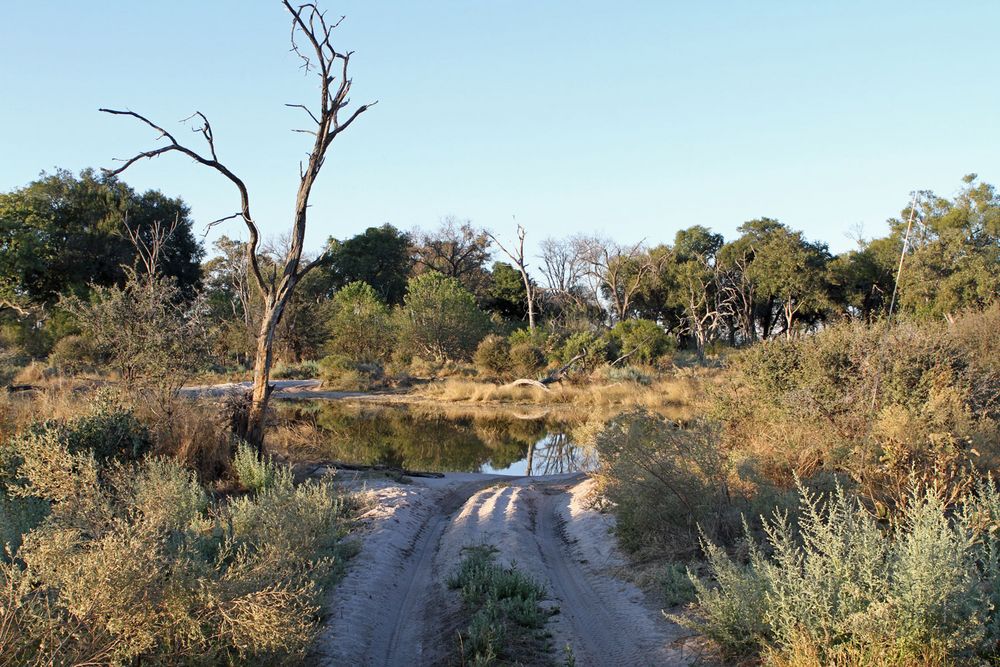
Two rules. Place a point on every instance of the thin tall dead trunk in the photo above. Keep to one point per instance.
(517, 256)
(318, 55)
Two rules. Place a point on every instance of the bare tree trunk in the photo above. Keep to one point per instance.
(262, 387)
(318, 55)
(517, 256)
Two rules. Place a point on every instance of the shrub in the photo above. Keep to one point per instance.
(305, 370)
(624, 374)
(360, 325)
(440, 319)
(109, 430)
(591, 348)
(846, 591)
(492, 358)
(72, 354)
(538, 337)
(875, 401)
(151, 334)
(133, 564)
(664, 481)
(340, 373)
(33, 373)
(644, 341)
(675, 584)
(255, 473)
(526, 360)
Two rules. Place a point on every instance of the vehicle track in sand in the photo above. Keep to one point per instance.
(395, 609)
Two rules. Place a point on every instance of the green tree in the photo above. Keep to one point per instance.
(456, 249)
(61, 234)
(303, 330)
(861, 280)
(360, 325)
(695, 290)
(380, 256)
(751, 312)
(505, 294)
(440, 318)
(955, 252)
(792, 272)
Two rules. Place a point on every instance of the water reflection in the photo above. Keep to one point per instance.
(423, 439)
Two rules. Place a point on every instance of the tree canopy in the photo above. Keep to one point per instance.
(62, 233)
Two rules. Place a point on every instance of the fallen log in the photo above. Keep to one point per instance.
(312, 469)
(525, 382)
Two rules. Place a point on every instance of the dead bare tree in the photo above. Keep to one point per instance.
(311, 38)
(619, 270)
(517, 256)
(148, 250)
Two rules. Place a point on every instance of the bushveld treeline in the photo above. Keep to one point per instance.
(435, 295)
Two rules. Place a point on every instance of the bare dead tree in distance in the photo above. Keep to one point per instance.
(312, 41)
(516, 255)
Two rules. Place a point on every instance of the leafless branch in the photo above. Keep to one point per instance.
(213, 163)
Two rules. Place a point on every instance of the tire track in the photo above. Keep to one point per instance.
(406, 616)
(400, 640)
(606, 625)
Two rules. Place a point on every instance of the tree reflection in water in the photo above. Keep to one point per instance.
(423, 439)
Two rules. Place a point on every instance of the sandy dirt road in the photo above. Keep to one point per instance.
(394, 609)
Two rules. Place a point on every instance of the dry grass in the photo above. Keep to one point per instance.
(678, 397)
(192, 431)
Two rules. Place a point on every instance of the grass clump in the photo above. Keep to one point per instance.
(504, 607)
(255, 473)
(841, 589)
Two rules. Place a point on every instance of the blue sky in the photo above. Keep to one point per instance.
(630, 119)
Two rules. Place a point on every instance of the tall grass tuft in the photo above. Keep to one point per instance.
(255, 473)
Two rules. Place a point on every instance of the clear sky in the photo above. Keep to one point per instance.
(632, 119)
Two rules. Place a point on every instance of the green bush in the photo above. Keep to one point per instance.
(538, 337)
(644, 341)
(341, 373)
(492, 357)
(844, 590)
(675, 584)
(72, 354)
(305, 370)
(591, 348)
(109, 430)
(256, 473)
(440, 319)
(874, 401)
(361, 326)
(526, 360)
